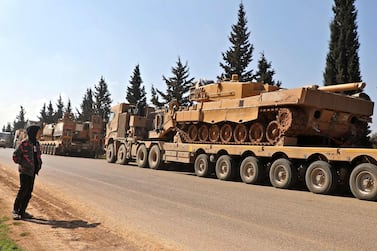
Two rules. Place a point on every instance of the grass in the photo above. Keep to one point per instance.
(6, 244)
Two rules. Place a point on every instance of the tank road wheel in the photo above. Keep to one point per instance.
(214, 133)
(122, 155)
(282, 173)
(273, 132)
(285, 118)
(142, 156)
(240, 133)
(193, 132)
(256, 133)
(155, 157)
(203, 133)
(320, 177)
(226, 133)
(363, 181)
(203, 167)
(225, 168)
(110, 153)
(251, 171)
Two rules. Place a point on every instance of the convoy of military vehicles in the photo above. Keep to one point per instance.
(256, 132)
(232, 129)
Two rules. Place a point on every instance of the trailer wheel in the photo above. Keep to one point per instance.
(363, 181)
(225, 168)
(154, 157)
(110, 154)
(251, 171)
(203, 167)
(122, 155)
(320, 177)
(283, 174)
(142, 156)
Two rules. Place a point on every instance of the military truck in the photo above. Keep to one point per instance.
(71, 137)
(276, 153)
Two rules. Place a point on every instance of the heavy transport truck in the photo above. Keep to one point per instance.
(71, 137)
(257, 133)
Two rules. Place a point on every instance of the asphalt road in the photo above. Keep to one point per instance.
(195, 213)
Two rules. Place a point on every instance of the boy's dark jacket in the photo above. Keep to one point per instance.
(24, 157)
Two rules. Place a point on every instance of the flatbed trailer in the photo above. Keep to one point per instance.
(322, 169)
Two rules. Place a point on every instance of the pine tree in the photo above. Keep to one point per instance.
(8, 128)
(342, 62)
(265, 73)
(60, 109)
(68, 109)
(238, 57)
(43, 114)
(3, 128)
(136, 94)
(154, 98)
(178, 85)
(87, 106)
(50, 118)
(103, 101)
(20, 121)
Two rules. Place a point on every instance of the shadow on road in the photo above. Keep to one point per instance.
(72, 224)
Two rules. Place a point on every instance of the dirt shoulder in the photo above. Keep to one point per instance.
(61, 223)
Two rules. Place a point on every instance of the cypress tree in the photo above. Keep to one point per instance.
(87, 106)
(50, 118)
(20, 121)
(43, 114)
(136, 94)
(342, 61)
(68, 109)
(265, 73)
(178, 85)
(103, 101)
(238, 57)
(60, 108)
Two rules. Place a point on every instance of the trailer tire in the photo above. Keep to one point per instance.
(251, 171)
(203, 167)
(154, 157)
(142, 156)
(282, 173)
(122, 155)
(320, 177)
(225, 168)
(110, 153)
(363, 181)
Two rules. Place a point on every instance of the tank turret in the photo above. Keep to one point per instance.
(257, 113)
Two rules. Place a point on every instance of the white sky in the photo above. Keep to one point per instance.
(50, 47)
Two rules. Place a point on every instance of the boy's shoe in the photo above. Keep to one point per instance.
(26, 215)
(16, 216)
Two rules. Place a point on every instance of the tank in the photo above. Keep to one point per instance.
(233, 112)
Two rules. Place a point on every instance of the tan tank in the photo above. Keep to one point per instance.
(255, 113)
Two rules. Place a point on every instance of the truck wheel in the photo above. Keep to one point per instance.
(110, 153)
(122, 155)
(225, 168)
(142, 156)
(282, 173)
(320, 177)
(203, 167)
(154, 157)
(363, 181)
(251, 171)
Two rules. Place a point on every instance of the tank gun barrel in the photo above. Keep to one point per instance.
(343, 87)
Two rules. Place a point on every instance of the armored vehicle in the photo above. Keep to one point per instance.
(233, 112)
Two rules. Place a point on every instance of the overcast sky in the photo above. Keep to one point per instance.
(52, 47)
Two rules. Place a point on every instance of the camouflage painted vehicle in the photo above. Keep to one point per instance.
(233, 112)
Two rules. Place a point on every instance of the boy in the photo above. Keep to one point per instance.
(28, 157)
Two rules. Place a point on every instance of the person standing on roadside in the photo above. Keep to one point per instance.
(28, 157)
